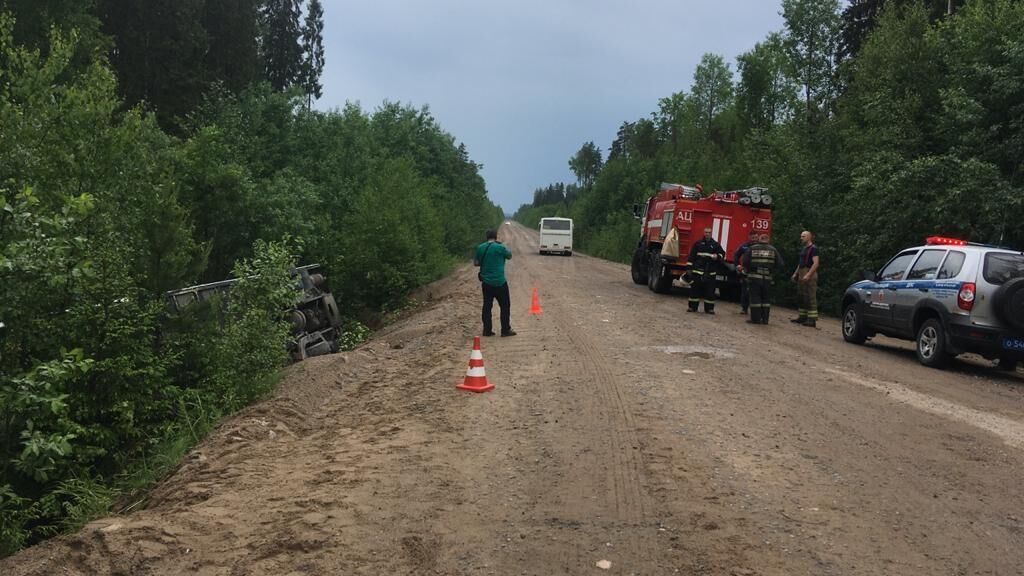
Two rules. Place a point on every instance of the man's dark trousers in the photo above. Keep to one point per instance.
(504, 302)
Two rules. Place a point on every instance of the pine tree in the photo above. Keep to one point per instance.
(313, 51)
(232, 29)
(280, 46)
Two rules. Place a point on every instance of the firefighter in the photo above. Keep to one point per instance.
(740, 270)
(759, 262)
(703, 263)
(806, 278)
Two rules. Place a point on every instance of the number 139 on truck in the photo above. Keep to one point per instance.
(676, 217)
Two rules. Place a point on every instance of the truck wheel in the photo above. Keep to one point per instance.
(638, 268)
(853, 325)
(931, 344)
(661, 279)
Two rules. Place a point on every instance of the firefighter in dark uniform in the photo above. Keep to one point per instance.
(759, 262)
(738, 259)
(705, 256)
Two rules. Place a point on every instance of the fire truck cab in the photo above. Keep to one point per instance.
(731, 216)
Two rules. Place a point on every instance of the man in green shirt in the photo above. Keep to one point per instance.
(490, 257)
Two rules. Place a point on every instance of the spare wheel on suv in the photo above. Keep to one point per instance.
(1008, 303)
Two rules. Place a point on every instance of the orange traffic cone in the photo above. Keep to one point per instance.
(476, 378)
(535, 304)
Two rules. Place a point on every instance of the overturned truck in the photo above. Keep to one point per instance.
(315, 320)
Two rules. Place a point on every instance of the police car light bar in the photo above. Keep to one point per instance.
(933, 240)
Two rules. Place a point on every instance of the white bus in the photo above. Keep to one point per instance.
(556, 235)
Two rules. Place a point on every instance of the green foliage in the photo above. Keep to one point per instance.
(281, 49)
(586, 164)
(927, 136)
(354, 334)
(253, 342)
(313, 51)
(35, 410)
(102, 212)
(71, 504)
(13, 517)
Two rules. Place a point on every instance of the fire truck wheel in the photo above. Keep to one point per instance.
(660, 280)
(638, 268)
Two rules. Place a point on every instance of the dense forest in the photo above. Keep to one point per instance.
(151, 145)
(873, 123)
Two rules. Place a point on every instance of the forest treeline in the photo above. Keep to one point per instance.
(873, 123)
(151, 145)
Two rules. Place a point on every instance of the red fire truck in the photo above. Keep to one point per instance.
(731, 216)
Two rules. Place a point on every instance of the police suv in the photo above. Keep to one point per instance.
(950, 296)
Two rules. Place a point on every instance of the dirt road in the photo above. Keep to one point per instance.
(621, 429)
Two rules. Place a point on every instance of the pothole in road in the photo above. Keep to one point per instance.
(698, 352)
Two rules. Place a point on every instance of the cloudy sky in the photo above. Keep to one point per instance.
(524, 83)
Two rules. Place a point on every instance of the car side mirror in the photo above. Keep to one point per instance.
(869, 275)
(636, 211)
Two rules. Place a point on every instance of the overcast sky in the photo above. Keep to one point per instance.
(524, 83)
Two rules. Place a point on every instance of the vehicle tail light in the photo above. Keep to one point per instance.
(965, 299)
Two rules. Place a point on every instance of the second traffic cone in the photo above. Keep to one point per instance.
(535, 304)
(476, 377)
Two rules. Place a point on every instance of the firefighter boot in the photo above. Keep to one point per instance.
(765, 313)
(811, 323)
(755, 315)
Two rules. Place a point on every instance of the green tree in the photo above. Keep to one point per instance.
(586, 164)
(712, 90)
(36, 19)
(232, 31)
(766, 94)
(281, 46)
(811, 40)
(160, 47)
(313, 51)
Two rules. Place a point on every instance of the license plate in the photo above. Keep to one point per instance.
(1013, 344)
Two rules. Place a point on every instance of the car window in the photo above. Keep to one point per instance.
(1001, 267)
(556, 224)
(952, 266)
(666, 223)
(927, 265)
(897, 266)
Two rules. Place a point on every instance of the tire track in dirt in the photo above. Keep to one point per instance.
(608, 411)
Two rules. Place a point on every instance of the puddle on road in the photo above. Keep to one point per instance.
(698, 352)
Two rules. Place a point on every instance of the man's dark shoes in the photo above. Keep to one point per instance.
(508, 333)
(489, 333)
